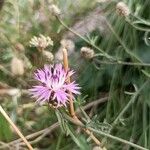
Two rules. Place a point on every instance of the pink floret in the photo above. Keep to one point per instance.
(53, 86)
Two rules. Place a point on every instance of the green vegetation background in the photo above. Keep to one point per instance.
(20, 20)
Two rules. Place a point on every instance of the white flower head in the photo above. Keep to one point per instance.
(41, 42)
(68, 44)
(87, 53)
(122, 9)
(54, 9)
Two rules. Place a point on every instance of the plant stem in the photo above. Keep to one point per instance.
(121, 42)
(105, 134)
(72, 110)
(53, 126)
(129, 103)
(65, 59)
(145, 22)
(87, 41)
(137, 27)
(126, 107)
(123, 63)
(118, 139)
(15, 128)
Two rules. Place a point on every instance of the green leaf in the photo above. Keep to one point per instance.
(62, 122)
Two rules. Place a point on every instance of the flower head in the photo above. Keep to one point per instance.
(68, 44)
(65, 43)
(122, 9)
(41, 41)
(53, 86)
(87, 53)
(54, 10)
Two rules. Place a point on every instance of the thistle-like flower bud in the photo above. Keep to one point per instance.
(65, 43)
(87, 52)
(17, 66)
(122, 9)
(68, 44)
(41, 42)
(54, 10)
(48, 56)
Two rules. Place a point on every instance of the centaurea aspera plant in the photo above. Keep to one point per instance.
(53, 86)
(56, 88)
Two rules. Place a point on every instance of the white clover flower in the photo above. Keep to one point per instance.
(41, 42)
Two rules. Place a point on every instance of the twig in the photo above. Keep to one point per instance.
(30, 136)
(4, 144)
(53, 126)
(15, 128)
(44, 133)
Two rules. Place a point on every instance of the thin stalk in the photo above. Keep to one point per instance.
(129, 103)
(105, 134)
(145, 125)
(141, 19)
(53, 126)
(121, 42)
(118, 139)
(15, 128)
(137, 27)
(65, 59)
(126, 107)
(123, 63)
(87, 41)
(72, 110)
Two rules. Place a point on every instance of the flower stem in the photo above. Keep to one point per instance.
(122, 63)
(15, 128)
(72, 110)
(87, 41)
(105, 134)
(129, 52)
(65, 59)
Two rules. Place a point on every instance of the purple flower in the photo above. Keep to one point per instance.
(52, 87)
